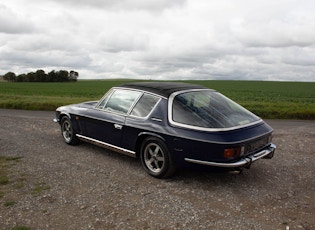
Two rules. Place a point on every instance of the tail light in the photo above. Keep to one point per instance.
(233, 152)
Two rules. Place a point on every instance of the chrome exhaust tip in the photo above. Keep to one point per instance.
(236, 172)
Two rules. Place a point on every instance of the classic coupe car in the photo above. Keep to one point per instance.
(169, 125)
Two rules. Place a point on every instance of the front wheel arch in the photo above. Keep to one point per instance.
(67, 131)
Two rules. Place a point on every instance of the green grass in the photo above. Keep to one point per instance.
(5, 164)
(9, 203)
(295, 100)
(39, 188)
(21, 228)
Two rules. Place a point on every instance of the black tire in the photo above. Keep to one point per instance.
(67, 132)
(155, 158)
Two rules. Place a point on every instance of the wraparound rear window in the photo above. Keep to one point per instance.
(208, 109)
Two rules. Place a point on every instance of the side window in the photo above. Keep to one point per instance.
(121, 100)
(103, 101)
(144, 105)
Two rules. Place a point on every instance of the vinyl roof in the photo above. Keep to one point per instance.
(162, 88)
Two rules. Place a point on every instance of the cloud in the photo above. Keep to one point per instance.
(122, 41)
(181, 39)
(13, 23)
(150, 5)
(275, 33)
(276, 24)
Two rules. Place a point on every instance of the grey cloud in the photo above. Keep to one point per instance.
(122, 41)
(13, 23)
(43, 59)
(275, 32)
(297, 56)
(160, 39)
(151, 5)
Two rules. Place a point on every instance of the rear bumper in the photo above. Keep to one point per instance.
(243, 163)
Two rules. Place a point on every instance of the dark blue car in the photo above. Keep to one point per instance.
(169, 125)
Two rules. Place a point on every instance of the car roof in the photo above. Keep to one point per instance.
(162, 88)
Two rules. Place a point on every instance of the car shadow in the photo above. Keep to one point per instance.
(211, 176)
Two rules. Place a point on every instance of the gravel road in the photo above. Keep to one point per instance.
(57, 186)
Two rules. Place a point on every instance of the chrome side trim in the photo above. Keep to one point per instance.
(106, 145)
(245, 162)
(156, 119)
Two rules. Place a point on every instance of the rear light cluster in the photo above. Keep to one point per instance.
(234, 152)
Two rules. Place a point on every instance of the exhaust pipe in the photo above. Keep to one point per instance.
(236, 171)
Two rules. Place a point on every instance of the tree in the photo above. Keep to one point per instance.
(73, 76)
(62, 75)
(52, 76)
(20, 78)
(10, 76)
(30, 77)
(41, 75)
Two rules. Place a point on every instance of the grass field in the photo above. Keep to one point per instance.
(284, 100)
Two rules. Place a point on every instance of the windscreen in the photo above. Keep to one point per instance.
(209, 109)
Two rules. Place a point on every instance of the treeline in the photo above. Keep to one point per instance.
(41, 76)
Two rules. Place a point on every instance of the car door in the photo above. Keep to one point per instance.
(138, 120)
(106, 121)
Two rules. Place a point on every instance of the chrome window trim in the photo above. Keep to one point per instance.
(139, 90)
(134, 102)
(109, 93)
(131, 106)
(149, 114)
(177, 124)
(112, 90)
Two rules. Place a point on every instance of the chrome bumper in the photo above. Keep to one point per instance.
(245, 162)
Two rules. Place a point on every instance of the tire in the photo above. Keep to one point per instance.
(155, 158)
(67, 132)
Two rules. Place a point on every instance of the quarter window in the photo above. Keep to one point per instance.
(144, 105)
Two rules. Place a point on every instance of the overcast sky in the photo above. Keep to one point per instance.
(161, 39)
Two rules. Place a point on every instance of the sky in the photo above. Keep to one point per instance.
(161, 39)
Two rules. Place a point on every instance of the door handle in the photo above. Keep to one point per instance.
(117, 126)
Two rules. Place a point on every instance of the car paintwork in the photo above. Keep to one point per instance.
(124, 132)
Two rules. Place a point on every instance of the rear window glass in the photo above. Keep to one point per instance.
(209, 109)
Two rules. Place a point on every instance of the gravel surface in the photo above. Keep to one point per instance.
(57, 186)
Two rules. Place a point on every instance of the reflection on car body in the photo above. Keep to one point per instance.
(169, 125)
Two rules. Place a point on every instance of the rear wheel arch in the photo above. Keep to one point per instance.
(155, 157)
(141, 137)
